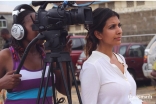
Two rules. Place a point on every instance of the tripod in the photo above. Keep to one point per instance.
(58, 58)
(51, 57)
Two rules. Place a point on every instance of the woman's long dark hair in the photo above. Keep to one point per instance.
(17, 44)
(100, 16)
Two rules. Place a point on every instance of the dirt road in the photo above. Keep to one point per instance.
(146, 93)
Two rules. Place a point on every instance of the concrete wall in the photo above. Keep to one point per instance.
(137, 39)
(143, 22)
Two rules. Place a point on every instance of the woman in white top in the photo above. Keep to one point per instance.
(104, 76)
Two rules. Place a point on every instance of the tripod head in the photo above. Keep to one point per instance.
(55, 40)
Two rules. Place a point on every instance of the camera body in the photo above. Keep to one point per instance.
(57, 18)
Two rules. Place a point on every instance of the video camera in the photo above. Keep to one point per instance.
(52, 22)
(57, 17)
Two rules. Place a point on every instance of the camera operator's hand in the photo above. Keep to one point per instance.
(10, 80)
(68, 46)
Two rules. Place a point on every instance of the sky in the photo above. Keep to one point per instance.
(8, 6)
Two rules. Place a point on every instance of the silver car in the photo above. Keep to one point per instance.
(150, 58)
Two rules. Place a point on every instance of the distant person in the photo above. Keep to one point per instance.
(104, 76)
(7, 38)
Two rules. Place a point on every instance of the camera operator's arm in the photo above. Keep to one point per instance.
(8, 80)
(59, 81)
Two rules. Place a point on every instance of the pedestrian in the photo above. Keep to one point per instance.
(6, 36)
(104, 76)
(25, 85)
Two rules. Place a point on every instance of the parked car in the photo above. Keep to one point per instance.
(79, 64)
(78, 42)
(150, 58)
(134, 56)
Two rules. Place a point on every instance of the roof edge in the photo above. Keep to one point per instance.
(6, 13)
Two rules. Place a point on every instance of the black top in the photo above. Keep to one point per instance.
(7, 43)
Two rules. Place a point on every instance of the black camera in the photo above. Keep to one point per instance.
(57, 17)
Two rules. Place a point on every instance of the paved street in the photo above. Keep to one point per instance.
(146, 93)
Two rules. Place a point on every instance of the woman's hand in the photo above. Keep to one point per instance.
(153, 73)
(10, 80)
(68, 46)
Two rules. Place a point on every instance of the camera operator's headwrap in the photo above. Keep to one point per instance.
(18, 30)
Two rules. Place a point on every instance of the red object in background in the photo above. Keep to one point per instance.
(78, 42)
(133, 54)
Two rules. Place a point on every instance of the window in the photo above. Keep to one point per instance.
(136, 51)
(78, 27)
(102, 5)
(130, 3)
(83, 41)
(3, 23)
(111, 5)
(140, 3)
(122, 50)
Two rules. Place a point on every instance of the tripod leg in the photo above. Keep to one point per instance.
(68, 78)
(76, 86)
(41, 85)
(53, 85)
(65, 84)
(47, 81)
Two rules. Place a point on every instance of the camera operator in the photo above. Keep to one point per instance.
(26, 84)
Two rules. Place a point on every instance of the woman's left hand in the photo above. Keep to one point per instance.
(68, 46)
(153, 73)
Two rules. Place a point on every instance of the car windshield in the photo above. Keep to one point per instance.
(78, 43)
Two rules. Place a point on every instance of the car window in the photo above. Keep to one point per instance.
(122, 50)
(136, 51)
(153, 48)
(83, 41)
(77, 44)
